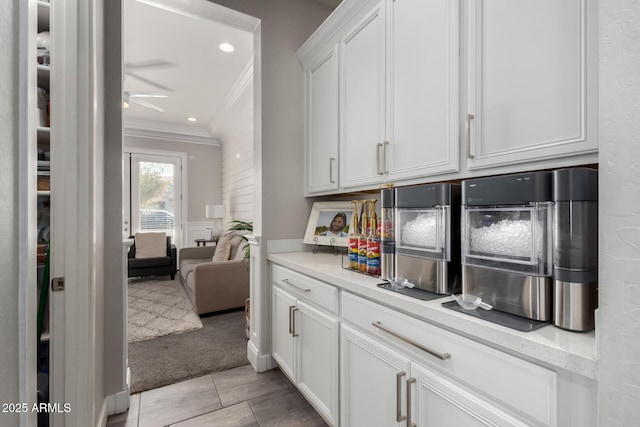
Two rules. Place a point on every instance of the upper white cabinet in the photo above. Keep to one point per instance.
(423, 85)
(322, 123)
(362, 103)
(532, 80)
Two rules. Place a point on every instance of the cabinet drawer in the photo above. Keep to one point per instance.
(528, 389)
(311, 290)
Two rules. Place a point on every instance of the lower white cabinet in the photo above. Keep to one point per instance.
(371, 382)
(305, 345)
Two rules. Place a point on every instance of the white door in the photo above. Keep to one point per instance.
(423, 82)
(435, 401)
(317, 354)
(282, 330)
(362, 101)
(155, 197)
(532, 80)
(322, 124)
(372, 382)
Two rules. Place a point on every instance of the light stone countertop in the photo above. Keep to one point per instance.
(571, 351)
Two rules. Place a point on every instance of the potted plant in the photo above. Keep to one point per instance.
(247, 227)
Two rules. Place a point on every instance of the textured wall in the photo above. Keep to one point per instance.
(618, 329)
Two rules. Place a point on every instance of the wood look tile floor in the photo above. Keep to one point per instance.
(237, 397)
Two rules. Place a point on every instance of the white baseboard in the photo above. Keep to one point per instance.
(102, 419)
(119, 402)
(260, 363)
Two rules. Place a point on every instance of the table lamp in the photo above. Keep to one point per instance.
(215, 212)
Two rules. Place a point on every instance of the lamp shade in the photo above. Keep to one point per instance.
(214, 211)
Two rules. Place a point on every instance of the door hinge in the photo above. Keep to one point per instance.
(57, 284)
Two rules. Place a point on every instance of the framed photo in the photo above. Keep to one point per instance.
(329, 224)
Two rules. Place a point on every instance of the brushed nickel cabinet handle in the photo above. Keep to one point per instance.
(468, 132)
(295, 334)
(385, 160)
(409, 422)
(399, 416)
(291, 307)
(301, 289)
(441, 356)
(378, 147)
(331, 180)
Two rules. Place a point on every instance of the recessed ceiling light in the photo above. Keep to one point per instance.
(192, 119)
(226, 47)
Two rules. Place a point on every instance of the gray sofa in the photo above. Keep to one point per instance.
(214, 286)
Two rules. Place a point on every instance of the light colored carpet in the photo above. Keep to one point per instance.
(157, 307)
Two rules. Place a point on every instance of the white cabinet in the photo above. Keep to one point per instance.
(322, 123)
(305, 335)
(372, 382)
(362, 93)
(532, 80)
(423, 84)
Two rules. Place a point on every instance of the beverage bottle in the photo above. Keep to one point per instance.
(354, 232)
(373, 242)
(362, 240)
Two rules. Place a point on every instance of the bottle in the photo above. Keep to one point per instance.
(362, 240)
(354, 231)
(373, 242)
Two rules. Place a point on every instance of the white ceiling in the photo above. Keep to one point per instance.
(178, 55)
(196, 75)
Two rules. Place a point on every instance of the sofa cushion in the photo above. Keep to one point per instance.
(188, 265)
(236, 242)
(223, 248)
(151, 245)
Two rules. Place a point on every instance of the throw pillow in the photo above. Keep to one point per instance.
(223, 248)
(151, 245)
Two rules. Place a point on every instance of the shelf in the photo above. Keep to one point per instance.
(43, 77)
(43, 15)
(44, 193)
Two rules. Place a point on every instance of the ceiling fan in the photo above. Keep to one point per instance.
(135, 97)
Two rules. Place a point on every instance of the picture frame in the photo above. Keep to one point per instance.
(322, 214)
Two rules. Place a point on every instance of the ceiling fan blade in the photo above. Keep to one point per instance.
(146, 65)
(147, 81)
(147, 105)
(145, 94)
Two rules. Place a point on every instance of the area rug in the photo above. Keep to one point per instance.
(158, 307)
(220, 345)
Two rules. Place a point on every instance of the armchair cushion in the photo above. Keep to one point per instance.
(151, 245)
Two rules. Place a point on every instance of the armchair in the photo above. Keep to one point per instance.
(153, 266)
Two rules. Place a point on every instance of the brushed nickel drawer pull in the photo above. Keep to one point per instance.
(288, 282)
(409, 422)
(441, 356)
(295, 334)
(378, 147)
(331, 180)
(385, 160)
(291, 307)
(468, 131)
(399, 416)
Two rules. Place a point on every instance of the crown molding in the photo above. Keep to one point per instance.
(241, 85)
(168, 132)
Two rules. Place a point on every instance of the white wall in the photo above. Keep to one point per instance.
(233, 127)
(618, 327)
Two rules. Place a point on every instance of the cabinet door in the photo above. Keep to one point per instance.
(435, 401)
(322, 124)
(372, 382)
(423, 82)
(532, 80)
(362, 101)
(317, 356)
(283, 312)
